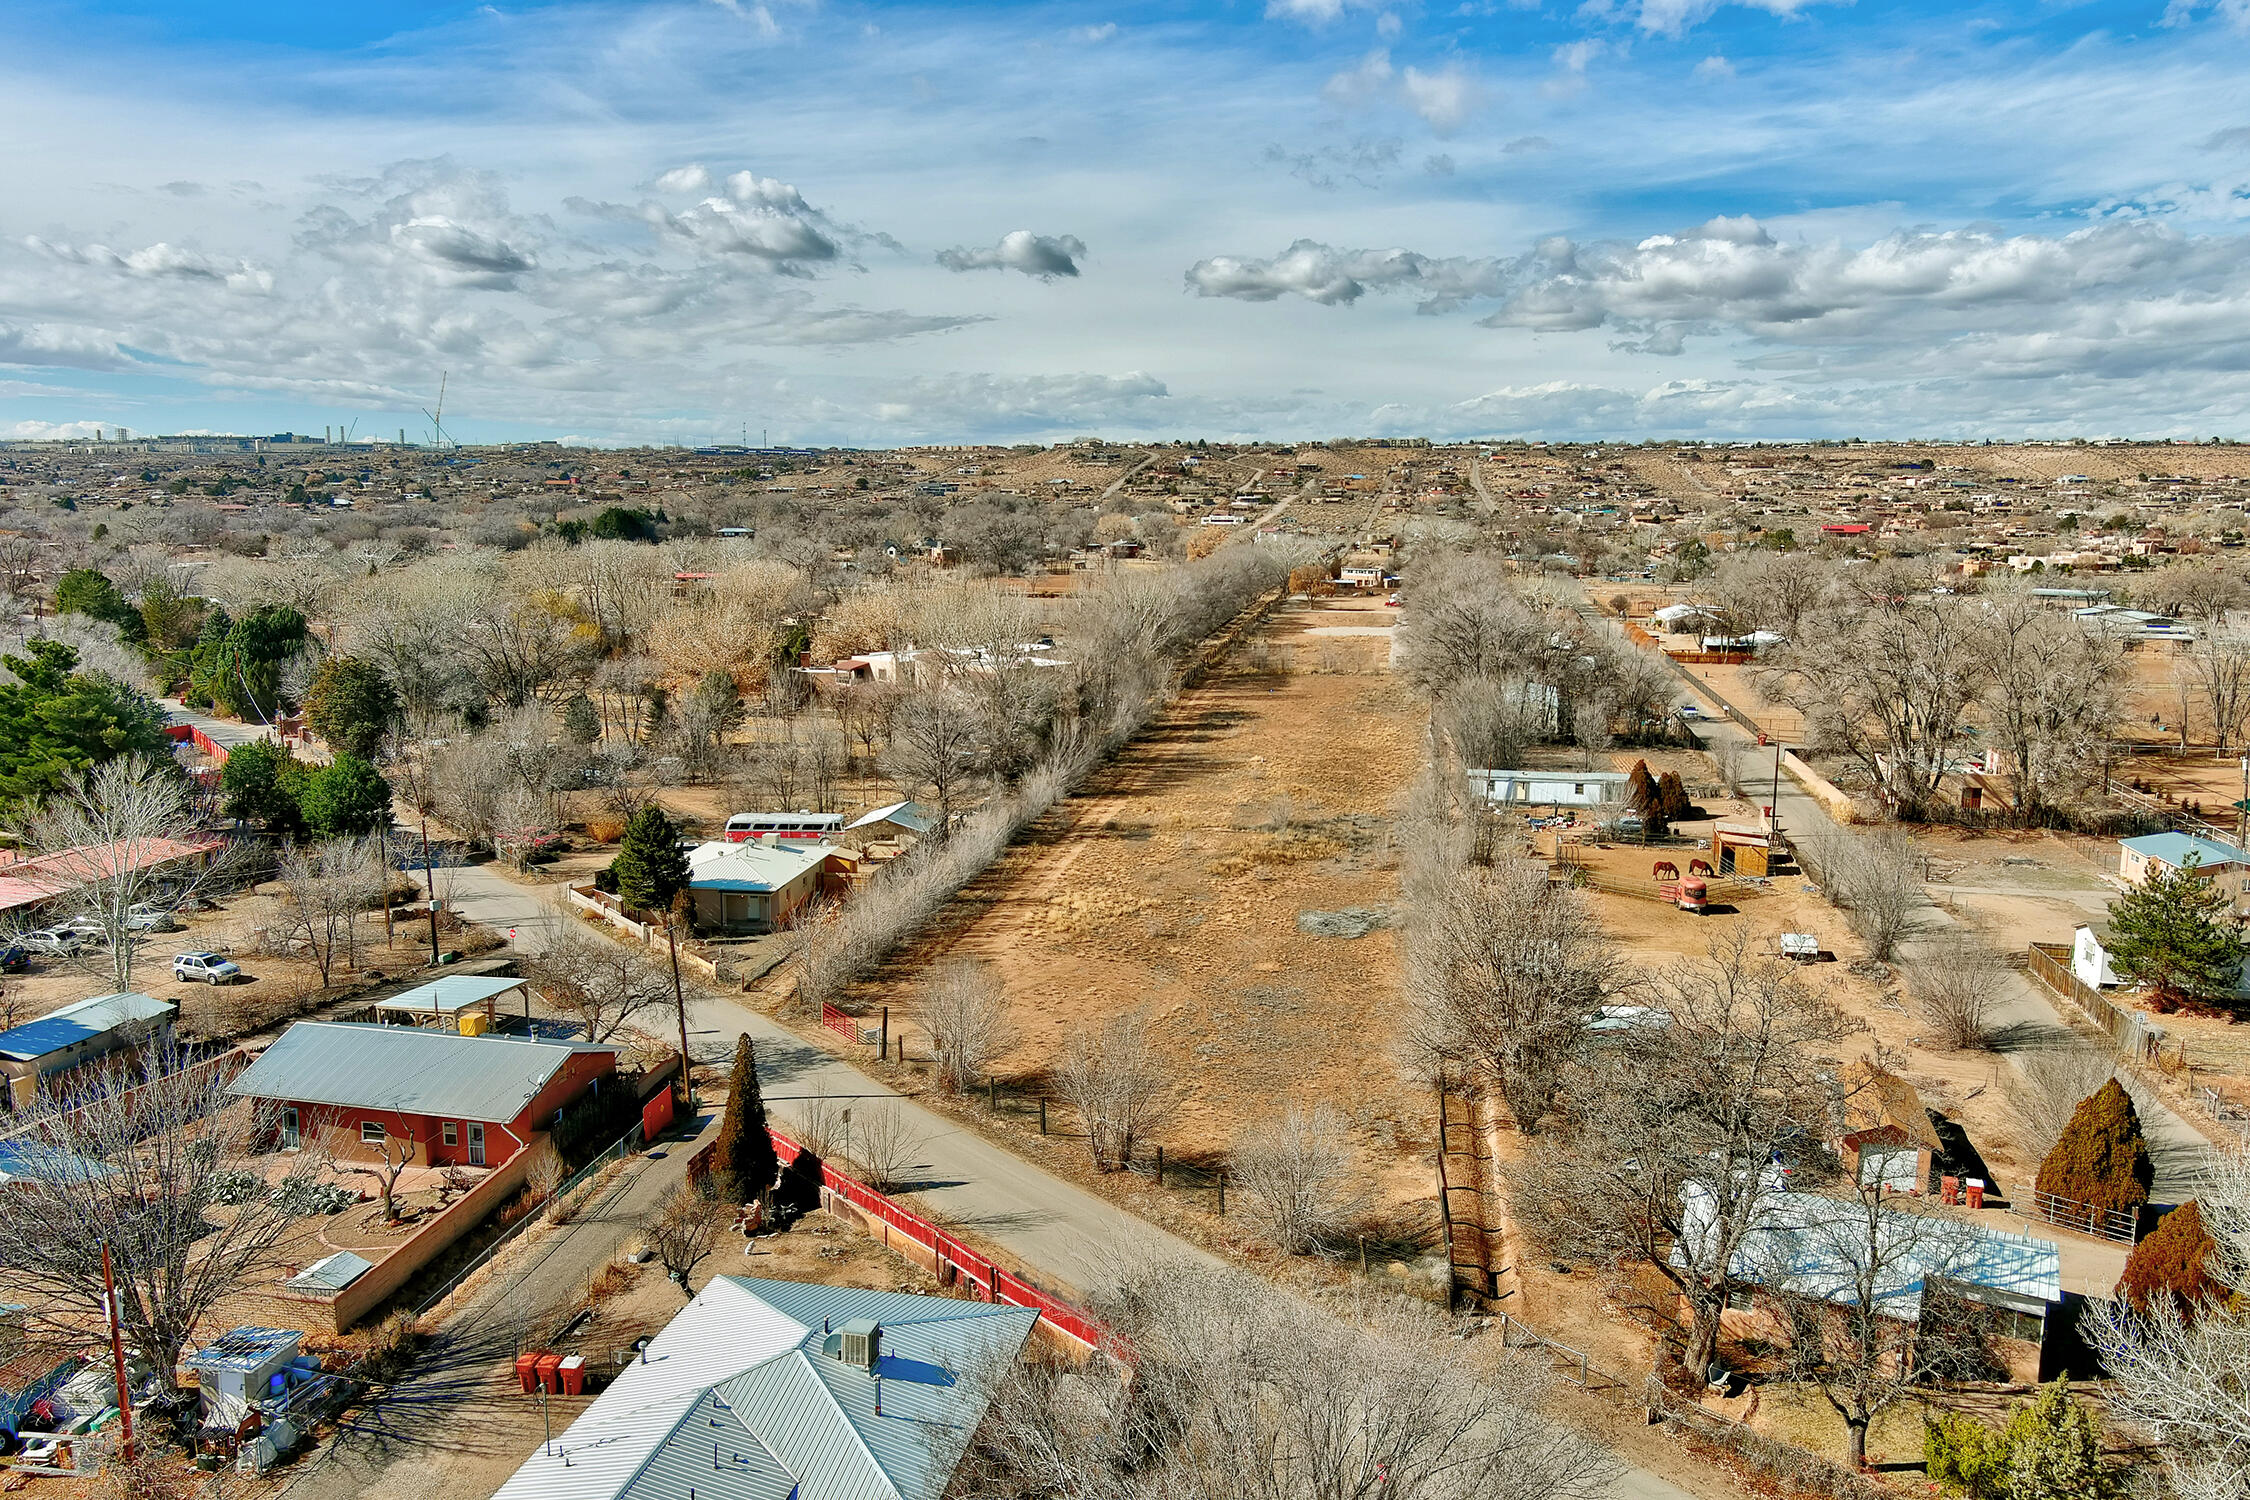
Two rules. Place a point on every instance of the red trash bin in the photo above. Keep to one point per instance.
(1976, 1192)
(573, 1372)
(527, 1371)
(550, 1374)
(1949, 1188)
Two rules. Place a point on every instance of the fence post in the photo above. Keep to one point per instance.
(1222, 1194)
(884, 1055)
(1160, 1166)
(992, 1094)
(1042, 1114)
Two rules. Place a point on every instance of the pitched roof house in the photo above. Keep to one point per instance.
(470, 1100)
(39, 1055)
(766, 1390)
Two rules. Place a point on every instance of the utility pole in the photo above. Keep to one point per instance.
(679, 999)
(117, 1354)
(1773, 813)
(429, 875)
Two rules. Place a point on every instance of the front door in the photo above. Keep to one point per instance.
(476, 1144)
(291, 1136)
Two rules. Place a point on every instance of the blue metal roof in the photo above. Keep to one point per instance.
(245, 1349)
(2178, 848)
(81, 1021)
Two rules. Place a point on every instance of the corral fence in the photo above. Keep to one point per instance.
(1574, 1365)
(2121, 1225)
(2128, 1031)
(954, 1263)
(846, 1025)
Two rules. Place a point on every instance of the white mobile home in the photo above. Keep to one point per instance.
(1549, 788)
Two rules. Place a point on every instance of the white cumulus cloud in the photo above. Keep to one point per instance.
(1045, 256)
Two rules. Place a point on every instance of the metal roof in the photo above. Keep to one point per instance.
(721, 866)
(78, 1022)
(450, 995)
(2177, 848)
(737, 1400)
(245, 1349)
(912, 816)
(407, 1069)
(331, 1273)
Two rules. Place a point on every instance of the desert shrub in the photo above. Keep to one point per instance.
(2102, 1158)
(2173, 1264)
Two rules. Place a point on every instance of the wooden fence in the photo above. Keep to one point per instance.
(2135, 1040)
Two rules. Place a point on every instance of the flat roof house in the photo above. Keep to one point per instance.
(38, 1056)
(472, 1101)
(752, 886)
(2159, 853)
(766, 1390)
(1549, 788)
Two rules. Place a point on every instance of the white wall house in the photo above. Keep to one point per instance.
(1549, 788)
(2089, 960)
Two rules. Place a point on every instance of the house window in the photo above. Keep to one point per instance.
(452, 1134)
(371, 1133)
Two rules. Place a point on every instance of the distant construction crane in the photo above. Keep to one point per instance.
(438, 436)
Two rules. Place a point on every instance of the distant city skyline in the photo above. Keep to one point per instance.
(666, 221)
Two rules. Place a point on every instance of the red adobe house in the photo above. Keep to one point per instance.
(474, 1101)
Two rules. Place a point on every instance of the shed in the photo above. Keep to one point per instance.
(449, 1001)
(2089, 957)
(1887, 1131)
(36, 1056)
(239, 1369)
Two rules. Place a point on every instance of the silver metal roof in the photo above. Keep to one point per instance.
(245, 1349)
(407, 1069)
(331, 1273)
(736, 1400)
(450, 995)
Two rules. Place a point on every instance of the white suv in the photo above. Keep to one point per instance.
(208, 967)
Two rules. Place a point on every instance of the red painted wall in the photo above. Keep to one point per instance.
(502, 1139)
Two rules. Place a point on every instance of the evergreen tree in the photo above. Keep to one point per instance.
(582, 722)
(2050, 1450)
(351, 705)
(348, 796)
(2173, 933)
(743, 1158)
(2102, 1157)
(2173, 1264)
(88, 591)
(651, 867)
(55, 719)
(1672, 798)
(1640, 790)
(256, 786)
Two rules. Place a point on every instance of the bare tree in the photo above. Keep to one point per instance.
(596, 983)
(884, 1143)
(1505, 970)
(1957, 983)
(1305, 1189)
(2218, 665)
(151, 1170)
(2179, 1371)
(826, 760)
(1743, 1073)
(686, 1233)
(1887, 681)
(1876, 878)
(326, 887)
(136, 835)
(394, 1152)
(1861, 1291)
(817, 1121)
(1121, 1092)
(966, 1011)
(1237, 1392)
(2052, 694)
(934, 749)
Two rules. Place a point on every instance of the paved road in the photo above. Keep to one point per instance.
(2180, 1150)
(1064, 1237)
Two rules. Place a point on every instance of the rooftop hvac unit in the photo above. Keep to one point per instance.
(861, 1343)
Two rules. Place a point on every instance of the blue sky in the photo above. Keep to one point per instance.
(671, 220)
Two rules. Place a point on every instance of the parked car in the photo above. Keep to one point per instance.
(90, 933)
(53, 940)
(208, 967)
(1690, 711)
(14, 959)
(147, 916)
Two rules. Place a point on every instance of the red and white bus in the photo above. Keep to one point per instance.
(783, 828)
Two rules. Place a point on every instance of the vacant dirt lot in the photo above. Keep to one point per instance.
(1267, 792)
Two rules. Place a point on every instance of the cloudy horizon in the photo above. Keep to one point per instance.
(866, 225)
